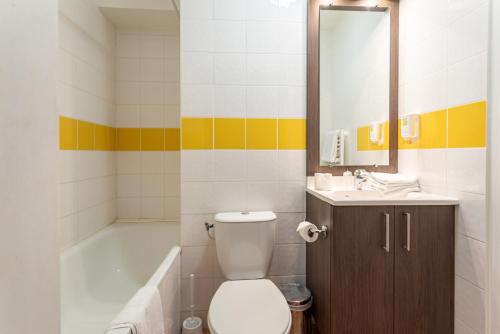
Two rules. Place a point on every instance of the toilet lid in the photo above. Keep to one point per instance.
(249, 307)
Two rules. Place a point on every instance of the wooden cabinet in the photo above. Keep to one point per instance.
(383, 269)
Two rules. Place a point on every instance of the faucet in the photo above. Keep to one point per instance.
(359, 178)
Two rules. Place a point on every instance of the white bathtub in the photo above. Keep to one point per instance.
(100, 274)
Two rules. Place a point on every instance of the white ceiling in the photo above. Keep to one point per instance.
(137, 4)
(130, 18)
(140, 14)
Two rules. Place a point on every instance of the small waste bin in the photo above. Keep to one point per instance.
(299, 300)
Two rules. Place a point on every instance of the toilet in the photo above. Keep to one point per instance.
(247, 303)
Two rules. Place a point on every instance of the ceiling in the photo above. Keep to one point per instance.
(140, 14)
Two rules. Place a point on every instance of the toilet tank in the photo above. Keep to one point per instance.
(244, 243)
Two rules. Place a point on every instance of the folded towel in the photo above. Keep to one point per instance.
(393, 179)
(143, 314)
(391, 185)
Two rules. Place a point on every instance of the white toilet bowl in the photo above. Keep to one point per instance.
(247, 303)
(249, 307)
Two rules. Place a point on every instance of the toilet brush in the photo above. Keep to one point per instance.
(192, 325)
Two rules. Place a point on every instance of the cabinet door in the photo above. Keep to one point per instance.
(318, 264)
(424, 281)
(362, 270)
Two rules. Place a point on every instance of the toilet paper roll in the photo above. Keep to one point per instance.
(306, 230)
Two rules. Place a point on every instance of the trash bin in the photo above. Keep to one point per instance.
(299, 300)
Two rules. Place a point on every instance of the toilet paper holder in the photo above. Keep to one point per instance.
(322, 231)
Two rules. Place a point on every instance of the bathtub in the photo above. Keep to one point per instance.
(100, 274)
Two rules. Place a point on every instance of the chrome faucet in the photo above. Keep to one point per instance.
(359, 178)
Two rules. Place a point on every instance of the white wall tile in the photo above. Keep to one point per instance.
(230, 165)
(129, 186)
(67, 199)
(472, 215)
(172, 162)
(197, 100)
(197, 197)
(467, 80)
(465, 170)
(152, 70)
(196, 260)
(292, 102)
(129, 207)
(229, 196)
(470, 259)
(229, 69)
(152, 207)
(128, 69)
(128, 45)
(172, 70)
(468, 35)
(152, 46)
(193, 231)
(262, 165)
(229, 36)
(128, 162)
(197, 35)
(152, 93)
(127, 116)
(263, 101)
(230, 9)
(229, 101)
(263, 36)
(152, 185)
(432, 167)
(292, 37)
(194, 9)
(197, 68)
(262, 10)
(172, 47)
(286, 232)
(470, 305)
(197, 165)
(264, 69)
(263, 196)
(292, 165)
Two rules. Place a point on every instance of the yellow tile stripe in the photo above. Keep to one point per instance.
(456, 127)
(243, 133)
(82, 135)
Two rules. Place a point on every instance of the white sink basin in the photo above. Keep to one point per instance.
(355, 195)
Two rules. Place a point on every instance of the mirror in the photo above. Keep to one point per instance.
(354, 87)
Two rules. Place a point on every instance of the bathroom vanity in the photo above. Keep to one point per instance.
(385, 266)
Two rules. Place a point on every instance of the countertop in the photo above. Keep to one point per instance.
(341, 197)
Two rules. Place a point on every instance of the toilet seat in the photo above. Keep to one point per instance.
(249, 307)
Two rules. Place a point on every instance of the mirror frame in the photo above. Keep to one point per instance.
(313, 83)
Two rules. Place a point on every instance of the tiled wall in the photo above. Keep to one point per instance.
(147, 118)
(85, 93)
(443, 71)
(243, 83)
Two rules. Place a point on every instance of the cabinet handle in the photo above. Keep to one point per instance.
(407, 246)
(387, 232)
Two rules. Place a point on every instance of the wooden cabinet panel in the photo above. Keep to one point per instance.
(360, 288)
(318, 264)
(424, 281)
(362, 273)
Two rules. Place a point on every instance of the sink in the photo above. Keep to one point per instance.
(355, 195)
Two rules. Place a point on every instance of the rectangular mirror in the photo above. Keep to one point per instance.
(352, 87)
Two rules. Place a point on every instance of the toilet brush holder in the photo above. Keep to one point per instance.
(192, 325)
